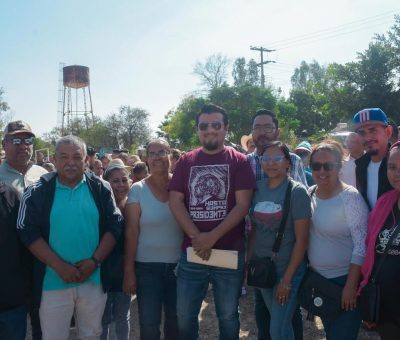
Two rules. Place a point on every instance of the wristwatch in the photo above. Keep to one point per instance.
(96, 261)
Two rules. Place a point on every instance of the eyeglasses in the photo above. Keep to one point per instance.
(315, 166)
(276, 158)
(264, 128)
(18, 141)
(159, 154)
(215, 125)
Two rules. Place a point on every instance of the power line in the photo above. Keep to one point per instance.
(341, 29)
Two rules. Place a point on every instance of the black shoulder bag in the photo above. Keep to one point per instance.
(369, 300)
(261, 271)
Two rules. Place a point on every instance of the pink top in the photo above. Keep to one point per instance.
(376, 220)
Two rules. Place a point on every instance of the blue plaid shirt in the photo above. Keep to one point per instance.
(296, 169)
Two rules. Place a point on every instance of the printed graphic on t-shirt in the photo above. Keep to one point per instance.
(209, 187)
(268, 214)
(383, 239)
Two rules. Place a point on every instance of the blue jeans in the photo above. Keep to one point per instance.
(280, 327)
(347, 325)
(193, 281)
(13, 323)
(156, 291)
(117, 309)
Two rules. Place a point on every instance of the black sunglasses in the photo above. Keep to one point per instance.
(215, 125)
(315, 166)
(18, 141)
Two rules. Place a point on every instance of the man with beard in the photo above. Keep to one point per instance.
(265, 131)
(215, 221)
(375, 132)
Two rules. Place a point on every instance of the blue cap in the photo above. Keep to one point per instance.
(374, 115)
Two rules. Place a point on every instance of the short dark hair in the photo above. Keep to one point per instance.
(212, 108)
(265, 112)
(282, 146)
(139, 167)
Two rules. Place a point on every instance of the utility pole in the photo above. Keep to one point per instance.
(262, 63)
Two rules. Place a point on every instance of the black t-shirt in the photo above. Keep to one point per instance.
(389, 274)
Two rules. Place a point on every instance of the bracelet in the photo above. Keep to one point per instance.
(287, 287)
(96, 261)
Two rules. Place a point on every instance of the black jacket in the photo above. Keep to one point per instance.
(15, 259)
(361, 177)
(34, 220)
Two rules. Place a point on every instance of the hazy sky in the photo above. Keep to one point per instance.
(141, 53)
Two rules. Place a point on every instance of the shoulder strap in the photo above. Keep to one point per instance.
(382, 259)
(286, 208)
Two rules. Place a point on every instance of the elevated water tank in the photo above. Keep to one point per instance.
(76, 76)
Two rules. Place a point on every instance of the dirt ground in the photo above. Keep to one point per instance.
(248, 330)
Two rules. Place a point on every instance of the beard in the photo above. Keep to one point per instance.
(211, 146)
(263, 141)
(372, 152)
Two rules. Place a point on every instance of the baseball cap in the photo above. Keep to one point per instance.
(18, 126)
(372, 115)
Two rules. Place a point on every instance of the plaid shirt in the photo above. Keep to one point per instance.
(296, 169)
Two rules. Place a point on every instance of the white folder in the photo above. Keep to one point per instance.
(218, 258)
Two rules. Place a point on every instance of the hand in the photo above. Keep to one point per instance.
(349, 300)
(129, 283)
(369, 325)
(282, 293)
(86, 267)
(68, 272)
(202, 242)
(204, 254)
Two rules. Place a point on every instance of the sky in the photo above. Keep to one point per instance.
(142, 53)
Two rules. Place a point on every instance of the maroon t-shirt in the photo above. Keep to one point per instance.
(209, 183)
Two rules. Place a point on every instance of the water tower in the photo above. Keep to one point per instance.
(77, 100)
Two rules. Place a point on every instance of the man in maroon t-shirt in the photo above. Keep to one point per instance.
(210, 194)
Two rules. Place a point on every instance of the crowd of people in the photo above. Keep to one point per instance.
(81, 233)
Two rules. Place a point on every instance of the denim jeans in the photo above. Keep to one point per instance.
(13, 323)
(156, 291)
(193, 281)
(347, 325)
(117, 309)
(262, 319)
(282, 315)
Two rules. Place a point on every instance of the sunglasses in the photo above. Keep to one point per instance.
(315, 166)
(18, 141)
(276, 158)
(215, 125)
(264, 128)
(159, 154)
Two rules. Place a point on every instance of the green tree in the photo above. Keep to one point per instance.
(239, 72)
(253, 75)
(3, 108)
(179, 125)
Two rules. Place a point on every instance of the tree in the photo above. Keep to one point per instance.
(3, 108)
(213, 72)
(239, 72)
(179, 125)
(253, 76)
